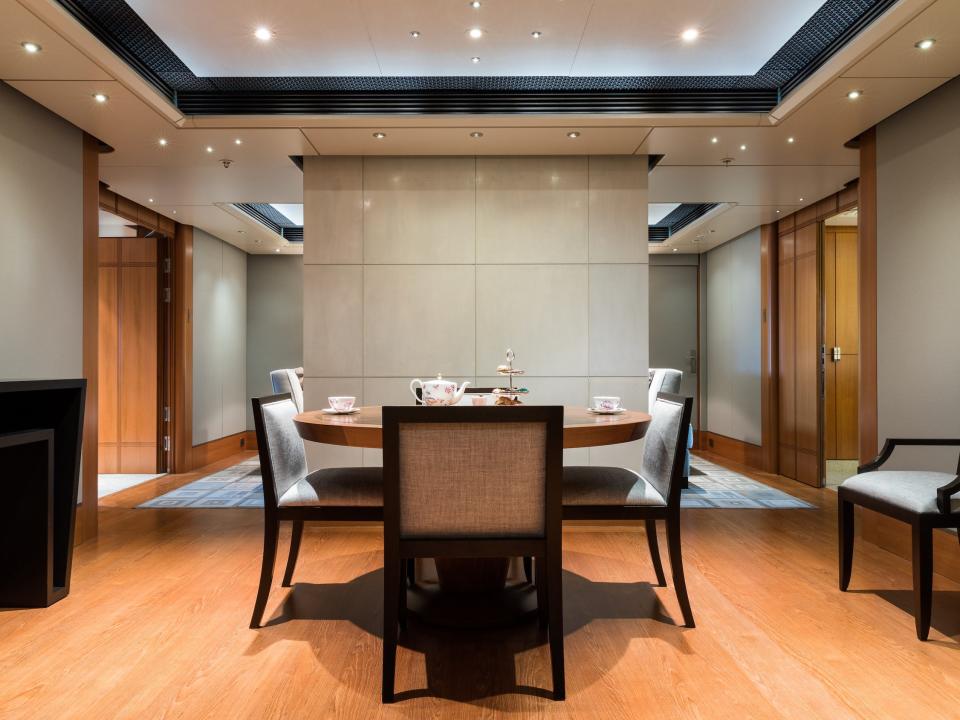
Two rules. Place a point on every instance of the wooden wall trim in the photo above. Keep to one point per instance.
(215, 450)
(739, 451)
(86, 526)
(134, 212)
(182, 291)
(867, 259)
(769, 356)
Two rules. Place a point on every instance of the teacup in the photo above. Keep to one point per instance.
(480, 399)
(342, 403)
(606, 403)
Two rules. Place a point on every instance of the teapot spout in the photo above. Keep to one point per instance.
(459, 394)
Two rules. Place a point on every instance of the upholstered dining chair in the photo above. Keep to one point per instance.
(924, 500)
(472, 482)
(286, 381)
(291, 493)
(663, 380)
(616, 493)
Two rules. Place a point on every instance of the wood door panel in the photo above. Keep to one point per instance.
(807, 240)
(138, 355)
(808, 469)
(847, 407)
(108, 356)
(787, 328)
(847, 293)
(829, 287)
(138, 458)
(138, 250)
(830, 411)
(807, 353)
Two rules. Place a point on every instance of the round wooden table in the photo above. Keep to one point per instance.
(472, 591)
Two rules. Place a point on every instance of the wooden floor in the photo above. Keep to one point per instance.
(156, 627)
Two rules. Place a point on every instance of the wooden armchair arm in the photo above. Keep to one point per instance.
(891, 443)
(945, 493)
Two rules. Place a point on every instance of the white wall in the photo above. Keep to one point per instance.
(41, 244)
(414, 266)
(731, 357)
(274, 320)
(219, 338)
(918, 260)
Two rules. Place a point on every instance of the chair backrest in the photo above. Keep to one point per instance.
(472, 472)
(283, 460)
(663, 380)
(286, 381)
(665, 445)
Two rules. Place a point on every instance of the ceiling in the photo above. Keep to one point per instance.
(190, 184)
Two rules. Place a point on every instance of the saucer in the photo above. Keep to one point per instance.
(606, 412)
(331, 411)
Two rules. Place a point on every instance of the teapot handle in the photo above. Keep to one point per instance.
(416, 381)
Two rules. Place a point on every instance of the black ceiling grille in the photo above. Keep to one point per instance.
(271, 218)
(121, 29)
(677, 219)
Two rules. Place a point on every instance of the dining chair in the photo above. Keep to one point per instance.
(923, 500)
(286, 381)
(617, 493)
(472, 482)
(291, 493)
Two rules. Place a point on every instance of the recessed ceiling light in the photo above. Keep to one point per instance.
(174, 212)
(149, 200)
(854, 94)
(474, 59)
(162, 142)
(922, 45)
(209, 148)
(414, 33)
(790, 140)
(31, 47)
(676, 249)
(689, 35)
(263, 34)
(475, 4)
(536, 34)
(277, 250)
(475, 33)
(714, 140)
(100, 98)
(778, 212)
(743, 147)
(238, 141)
(476, 134)
(379, 135)
(573, 134)
(801, 199)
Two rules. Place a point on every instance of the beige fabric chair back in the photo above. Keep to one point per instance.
(480, 473)
(665, 380)
(665, 444)
(283, 460)
(286, 381)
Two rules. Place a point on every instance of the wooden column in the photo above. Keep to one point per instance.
(182, 457)
(86, 527)
(867, 245)
(769, 359)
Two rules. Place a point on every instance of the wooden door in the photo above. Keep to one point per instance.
(842, 341)
(128, 388)
(807, 352)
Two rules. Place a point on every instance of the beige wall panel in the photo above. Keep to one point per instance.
(619, 319)
(332, 210)
(333, 320)
(617, 220)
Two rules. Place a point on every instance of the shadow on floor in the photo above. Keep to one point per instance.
(471, 665)
(945, 614)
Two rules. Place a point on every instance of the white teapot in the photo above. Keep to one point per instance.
(439, 391)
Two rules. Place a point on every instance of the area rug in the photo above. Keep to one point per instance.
(711, 486)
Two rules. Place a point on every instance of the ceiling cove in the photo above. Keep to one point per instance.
(827, 30)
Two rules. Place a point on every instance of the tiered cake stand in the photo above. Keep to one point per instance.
(509, 395)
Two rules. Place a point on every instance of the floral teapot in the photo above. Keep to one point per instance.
(438, 391)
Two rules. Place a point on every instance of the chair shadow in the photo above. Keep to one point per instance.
(945, 610)
(467, 665)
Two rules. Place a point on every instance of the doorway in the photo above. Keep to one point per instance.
(840, 349)
(134, 350)
(674, 318)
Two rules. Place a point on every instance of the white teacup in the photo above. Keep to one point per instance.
(342, 403)
(481, 399)
(606, 403)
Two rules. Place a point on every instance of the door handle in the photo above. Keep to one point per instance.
(836, 354)
(692, 358)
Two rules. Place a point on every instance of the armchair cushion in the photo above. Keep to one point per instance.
(337, 487)
(914, 491)
(615, 486)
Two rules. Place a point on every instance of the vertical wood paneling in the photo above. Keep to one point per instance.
(109, 432)
(867, 258)
(182, 349)
(807, 351)
(769, 359)
(787, 356)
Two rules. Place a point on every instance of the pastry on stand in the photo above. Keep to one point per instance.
(509, 395)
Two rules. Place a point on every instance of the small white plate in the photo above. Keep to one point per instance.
(606, 412)
(331, 411)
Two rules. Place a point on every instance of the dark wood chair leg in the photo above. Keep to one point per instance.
(845, 535)
(554, 577)
(402, 598)
(922, 577)
(655, 552)
(271, 535)
(541, 585)
(528, 569)
(676, 568)
(295, 538)
(392, 579)
(411, 566)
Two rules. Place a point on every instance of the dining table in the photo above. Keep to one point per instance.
(476, 592)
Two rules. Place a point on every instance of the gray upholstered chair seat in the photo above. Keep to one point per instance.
(608, 486)
(915, 491)
(337, 487)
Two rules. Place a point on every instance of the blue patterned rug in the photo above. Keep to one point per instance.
(711, 486)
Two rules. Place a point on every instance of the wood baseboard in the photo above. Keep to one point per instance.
(741, 452)
(215, 450)
(894, 536)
